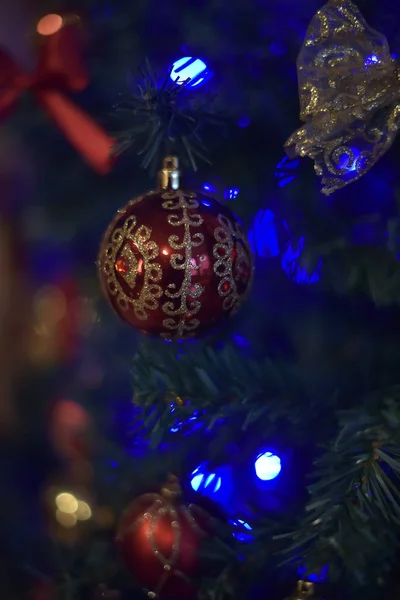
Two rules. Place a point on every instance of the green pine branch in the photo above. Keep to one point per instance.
(354, 506)
(215, 385)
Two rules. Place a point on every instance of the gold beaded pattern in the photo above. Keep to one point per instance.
(157, 510)
(223, 266)
(181, 305)
(181, 312)
(349, 96)
(148, 249)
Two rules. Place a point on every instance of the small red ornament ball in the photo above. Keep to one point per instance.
(159, 539)
(175, 263)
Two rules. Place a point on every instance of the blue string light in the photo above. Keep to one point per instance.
(241, 341)
(179, 425)
(191, 68)
(348, 162)
(201, 482)
(231, 193)
(210, 483)
(210, 189)
(370, 60)
(263, 236)
(242, 532)
(185, 425)
(319, 577)
(215, 483)
(285, 170)
(267, 466)
(291, 264)
(244, 121)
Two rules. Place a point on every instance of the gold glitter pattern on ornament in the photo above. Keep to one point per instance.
(130, 253)
(242, 263)
(159, 509)
(224, 251)
(128, 265)
(349, 96)
(183, 304)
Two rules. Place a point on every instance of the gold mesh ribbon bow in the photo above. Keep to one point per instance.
(349, 89)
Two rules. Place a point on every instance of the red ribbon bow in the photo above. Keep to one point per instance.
(60, 69)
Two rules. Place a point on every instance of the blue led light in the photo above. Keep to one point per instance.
(241, 341)
(291, 264)
(184, 425)
(349, 162)
(318, 577)
(244, 121)
(206, 203)
(231, 193)
(263, 236)
(179, 425)
(191, 68)
(209, 188)
(285, 170)
(214, 482)
(243, 530)
(201, 482)
(370, 60)
(267, 466)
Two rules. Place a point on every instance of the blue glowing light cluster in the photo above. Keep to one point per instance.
(219, 483)
(229, 193)
(349, 162)
(263, 235)
(201, 481)
(188, 68)
(267, 466)
(291, 264)
(285, 170)
(370, 60)
(318, 577)
(242, 530)
(185, 426)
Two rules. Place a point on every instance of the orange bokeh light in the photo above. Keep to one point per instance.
(50, 24)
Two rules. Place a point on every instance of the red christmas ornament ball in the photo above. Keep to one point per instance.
(159, 539)
(174, 263)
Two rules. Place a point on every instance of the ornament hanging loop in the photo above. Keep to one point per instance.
(169, 176)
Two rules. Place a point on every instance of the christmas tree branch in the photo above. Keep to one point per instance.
(163, 118)
(355, 494)
(216, 384)
(355, 480)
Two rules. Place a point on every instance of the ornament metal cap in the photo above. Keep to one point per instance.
(169, 176)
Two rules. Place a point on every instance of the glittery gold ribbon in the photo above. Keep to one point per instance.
(304, 590)
(349, 89)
